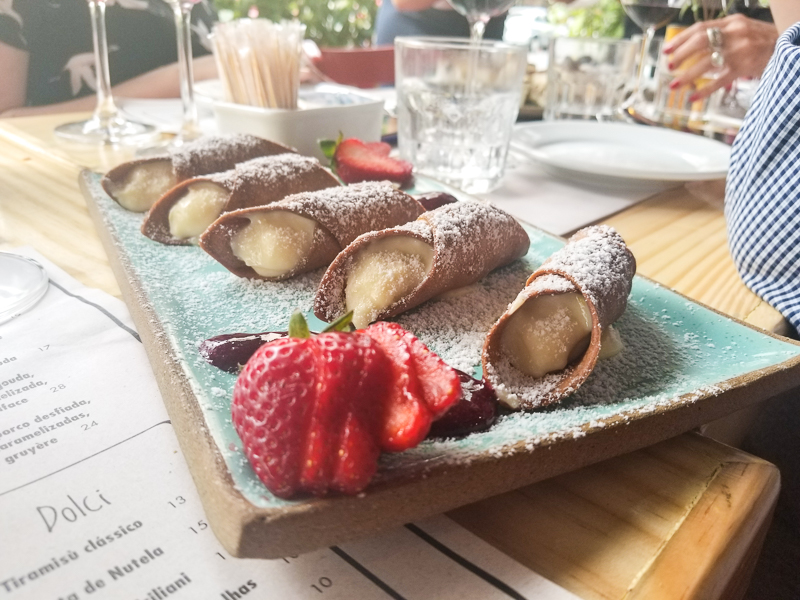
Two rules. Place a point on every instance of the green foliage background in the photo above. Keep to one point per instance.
(605, 19)
(328, 22)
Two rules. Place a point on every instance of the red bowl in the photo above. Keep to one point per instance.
(359, 67)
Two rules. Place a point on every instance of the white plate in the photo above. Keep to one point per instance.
(605, 153)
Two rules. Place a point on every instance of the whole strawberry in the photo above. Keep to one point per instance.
(356, 161)
(309, 410)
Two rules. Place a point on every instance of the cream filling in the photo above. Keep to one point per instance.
(274, 242)
(200, 206)
(383, 272)
(546, 333)
(145, 184)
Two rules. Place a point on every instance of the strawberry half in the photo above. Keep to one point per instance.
(356, 161)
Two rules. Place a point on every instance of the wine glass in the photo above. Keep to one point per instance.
(23, 284)
(649, 15)
(190, 128)
(478, 13)
(107, 124)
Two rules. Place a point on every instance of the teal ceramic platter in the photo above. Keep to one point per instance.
(683, 365)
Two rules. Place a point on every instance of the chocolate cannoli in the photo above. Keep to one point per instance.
(548, 341)
(304, 231)
(186, 211)
(137, 184)
(384, 273)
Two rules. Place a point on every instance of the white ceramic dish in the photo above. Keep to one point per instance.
(605, 153)
(324, 111)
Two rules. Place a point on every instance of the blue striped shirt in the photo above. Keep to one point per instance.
(762, 199)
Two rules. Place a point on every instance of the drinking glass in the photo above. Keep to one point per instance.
(456, 106)
(649, 15)
(107, 124)
(586, 77)
(190, 128)
(478, 13)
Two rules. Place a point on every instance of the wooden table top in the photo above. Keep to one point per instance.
(682, 519)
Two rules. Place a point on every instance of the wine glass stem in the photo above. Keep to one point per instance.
(183, 18)
(477, 29)
(649, 33)
(106, 110)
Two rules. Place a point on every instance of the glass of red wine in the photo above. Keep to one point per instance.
(190, 128)
(478, 13)
(107, 124)
(649, 15)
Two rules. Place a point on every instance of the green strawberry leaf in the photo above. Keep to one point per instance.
(343, 323)
(328, 148)
(298, 326)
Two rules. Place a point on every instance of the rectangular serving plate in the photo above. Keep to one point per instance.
(683, 365)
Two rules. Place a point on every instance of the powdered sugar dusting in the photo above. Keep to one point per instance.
(456, 325)
(218, 153)
(266, 173)
(598, 260)
(348, 211)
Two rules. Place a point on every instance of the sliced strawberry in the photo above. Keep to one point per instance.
(357, 161)
(359, 445)
(407, 418)
(271, 410)
(309, 412)
(440, 383)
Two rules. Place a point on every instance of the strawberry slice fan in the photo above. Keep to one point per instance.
(315, 411)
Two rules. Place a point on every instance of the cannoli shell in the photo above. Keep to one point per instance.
(255, 182)
(469, 240)
(201, 157)
(342, 214)
(597, 264)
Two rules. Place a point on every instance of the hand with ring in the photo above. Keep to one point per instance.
(735, 46)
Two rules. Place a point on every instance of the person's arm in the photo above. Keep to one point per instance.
(162, 82)
(747, 45)
(785, 13)
(14, 77)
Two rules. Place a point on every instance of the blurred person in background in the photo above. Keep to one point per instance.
(47, 60)
(762, 200)
(426, 17)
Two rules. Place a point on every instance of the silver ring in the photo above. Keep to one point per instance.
(714, 35)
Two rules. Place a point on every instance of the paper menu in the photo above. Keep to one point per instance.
(96, 500)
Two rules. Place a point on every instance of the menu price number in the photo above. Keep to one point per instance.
(322, 584)
(177, 501)
(57, 388)
(88, 426)
(200, 526)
